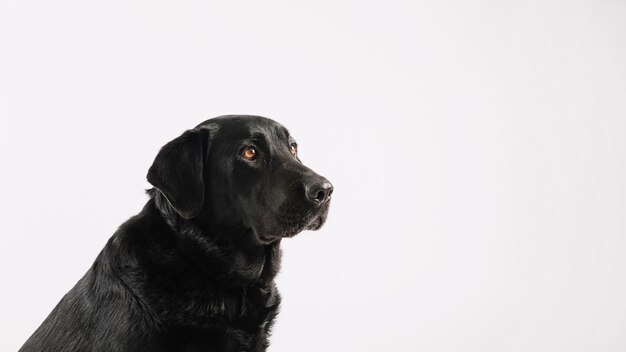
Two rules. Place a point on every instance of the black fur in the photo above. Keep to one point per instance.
(194, 270)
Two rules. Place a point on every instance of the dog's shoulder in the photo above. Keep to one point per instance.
(103, 311)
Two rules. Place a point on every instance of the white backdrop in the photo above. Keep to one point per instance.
(477, 151)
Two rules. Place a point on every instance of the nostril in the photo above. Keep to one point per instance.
(319, 192)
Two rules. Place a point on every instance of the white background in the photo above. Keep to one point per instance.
(477, 150)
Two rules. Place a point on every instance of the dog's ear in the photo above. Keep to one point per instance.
(178, 172)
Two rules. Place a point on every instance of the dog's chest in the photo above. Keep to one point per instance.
(257, 305)
(237, 320)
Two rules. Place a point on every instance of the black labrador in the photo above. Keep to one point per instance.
(194, 270)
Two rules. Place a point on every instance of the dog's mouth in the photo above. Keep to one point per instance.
(316, 224)
(268, 239)
(290, 225)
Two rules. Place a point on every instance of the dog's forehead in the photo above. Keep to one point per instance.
(237, 127)
(268, 130)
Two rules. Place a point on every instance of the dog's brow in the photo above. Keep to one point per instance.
(257, 135)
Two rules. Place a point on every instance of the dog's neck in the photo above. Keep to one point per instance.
(230, 255)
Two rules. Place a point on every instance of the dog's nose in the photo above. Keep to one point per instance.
(319, 192)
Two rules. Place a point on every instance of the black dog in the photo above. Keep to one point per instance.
(194, 270)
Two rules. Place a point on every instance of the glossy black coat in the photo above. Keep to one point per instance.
(194, 270)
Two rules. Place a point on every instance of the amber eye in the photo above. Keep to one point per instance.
(249, 153)
(293, 149)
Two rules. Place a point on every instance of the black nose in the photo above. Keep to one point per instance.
(319, 192)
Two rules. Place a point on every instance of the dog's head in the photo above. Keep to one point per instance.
(242, 171)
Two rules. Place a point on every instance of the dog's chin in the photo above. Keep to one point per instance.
(270, 236)
(275, 235)
(268, 239)
(288, 229)
(316, 224)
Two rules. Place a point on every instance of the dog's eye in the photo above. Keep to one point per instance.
(293, 149)
(249, 153)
